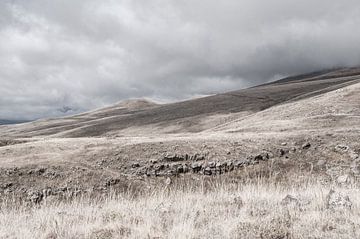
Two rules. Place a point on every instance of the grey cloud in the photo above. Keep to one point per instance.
(87, 54)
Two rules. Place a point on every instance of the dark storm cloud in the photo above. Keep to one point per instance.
(85, 54)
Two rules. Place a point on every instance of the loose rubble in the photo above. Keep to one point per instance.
(175, 164)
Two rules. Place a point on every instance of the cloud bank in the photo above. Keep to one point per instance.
(61, 57)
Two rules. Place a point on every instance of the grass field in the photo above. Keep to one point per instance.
(217, 210)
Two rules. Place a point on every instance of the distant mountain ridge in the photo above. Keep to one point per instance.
(4, 121)
(141, 117)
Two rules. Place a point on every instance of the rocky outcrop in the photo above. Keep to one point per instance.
(175, 164)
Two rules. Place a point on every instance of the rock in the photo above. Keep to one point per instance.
(35, 197)
(135, 165)
(197, 157)
(262, 156)
(290, 200)
(283, 144)
(239, 163)
(6, 185)
(207, 171)
(47, 192)
(154, 161)
(196, 167)
(306, 145)
(282, 152)
(171, 157)
(337, 201)
(112, 182)
(341, 148)
(229, 166)
(159, 167)
(186, 168)
(220, 164)
(40, 171)
(211, 164)
(168, 181)
(343, 179)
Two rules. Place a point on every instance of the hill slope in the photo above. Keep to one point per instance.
(306, 127)
(145, 118)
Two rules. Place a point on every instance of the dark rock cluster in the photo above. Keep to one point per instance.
(174, 164)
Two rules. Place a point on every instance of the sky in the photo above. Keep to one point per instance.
(63, 57)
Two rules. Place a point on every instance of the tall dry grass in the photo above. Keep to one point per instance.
(217, 210)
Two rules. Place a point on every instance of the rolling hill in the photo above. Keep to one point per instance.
(142, 117)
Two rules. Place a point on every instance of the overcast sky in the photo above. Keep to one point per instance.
(83, 54)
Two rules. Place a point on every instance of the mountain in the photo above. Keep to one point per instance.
(296, 128)
(191, 116)
(4, 121)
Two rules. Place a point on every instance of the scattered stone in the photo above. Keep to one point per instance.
(153, 161)
(197, 157)
(262, 156)
(211, 164)
(219, 165)
(283, 144)
(6, 185)
(112, 182)
(341, 148)
(35, 197)
(239, 163)
(207, 171)
(282, 152)
(196, 167)
(337, 201)
(306, 145)
(168, 181)
(180, 169)
(135, 165)
(40, 171)
(47, 192)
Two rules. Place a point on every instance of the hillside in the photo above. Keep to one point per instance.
(145, 118)
(277, 150)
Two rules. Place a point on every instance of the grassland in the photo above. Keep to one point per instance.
(209, 210)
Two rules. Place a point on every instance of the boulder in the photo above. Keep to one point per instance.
(172, 157)
(341, 148)
(207, 171)
(306, 145)
(168, 181)
(196, 167)
(35, 197)
(135, 165)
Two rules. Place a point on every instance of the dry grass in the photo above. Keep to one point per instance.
(253, 210)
